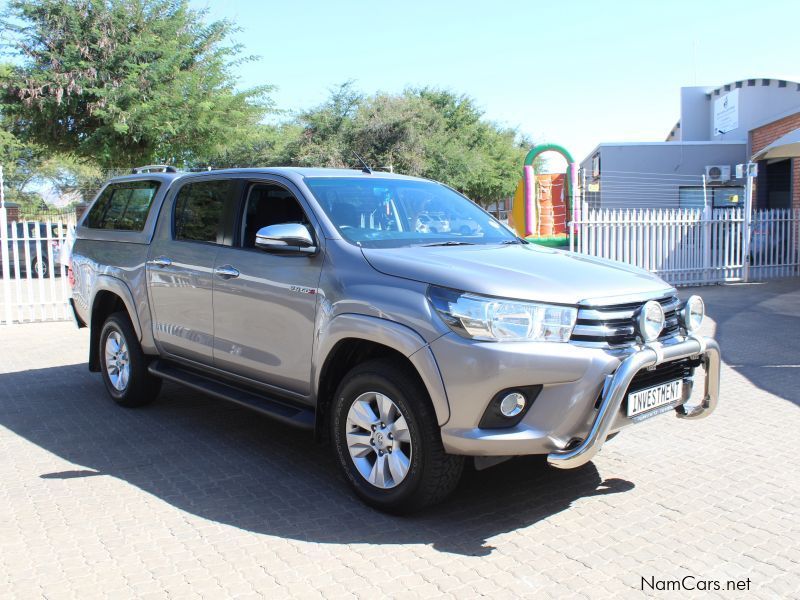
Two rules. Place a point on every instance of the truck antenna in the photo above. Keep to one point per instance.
(364, 166)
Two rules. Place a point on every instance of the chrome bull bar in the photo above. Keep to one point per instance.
(616, 387)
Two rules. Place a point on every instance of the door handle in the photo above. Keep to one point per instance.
(161, 261)
(226, 272)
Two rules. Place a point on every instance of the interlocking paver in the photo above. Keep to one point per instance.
(190, 497)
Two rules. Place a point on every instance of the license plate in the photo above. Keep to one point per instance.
(651, 398)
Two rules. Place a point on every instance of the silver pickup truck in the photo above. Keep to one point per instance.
(311, 296)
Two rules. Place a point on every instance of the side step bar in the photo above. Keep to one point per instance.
(277, 409)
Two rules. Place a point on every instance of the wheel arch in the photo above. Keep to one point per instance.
(111, 295)
(351, 339)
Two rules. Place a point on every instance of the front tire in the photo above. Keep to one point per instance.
(123, 364)
(387, 439)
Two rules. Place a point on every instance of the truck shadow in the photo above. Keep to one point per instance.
(226, 464)
(756, 327)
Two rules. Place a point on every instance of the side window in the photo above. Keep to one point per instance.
(200, 209)
(269, 205)
(123, 206)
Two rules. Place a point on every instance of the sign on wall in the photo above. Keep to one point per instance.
(726, 113)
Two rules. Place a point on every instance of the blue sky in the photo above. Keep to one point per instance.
(575, 73)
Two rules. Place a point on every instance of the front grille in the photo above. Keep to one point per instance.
(614, 326)
(669, 371)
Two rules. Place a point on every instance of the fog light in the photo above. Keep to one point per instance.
(512, 404)
(692, 313)
(650, 321)
(509, 406)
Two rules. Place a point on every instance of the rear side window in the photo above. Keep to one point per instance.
(123, 206)
(200, 210)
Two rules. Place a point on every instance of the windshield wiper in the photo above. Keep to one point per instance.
(514, 241)
(449, 243)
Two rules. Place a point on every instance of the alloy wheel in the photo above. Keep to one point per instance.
(117, 361)
(378, 440)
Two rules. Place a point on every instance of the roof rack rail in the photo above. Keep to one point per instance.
(154, 168)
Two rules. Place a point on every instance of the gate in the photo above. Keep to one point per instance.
(34, 285)
(694, 246)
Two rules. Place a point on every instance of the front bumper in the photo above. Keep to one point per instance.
(616, 387)
(579, 406)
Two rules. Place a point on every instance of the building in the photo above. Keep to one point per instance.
(12, 211)
(778, 181)
(718, 129)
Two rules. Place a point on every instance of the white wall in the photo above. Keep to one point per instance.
(650, 174)
(758, 104)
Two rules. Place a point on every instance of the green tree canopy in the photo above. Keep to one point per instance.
(124, 82)
(427, 132)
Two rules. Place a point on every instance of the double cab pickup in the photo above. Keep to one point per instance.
(315, 297)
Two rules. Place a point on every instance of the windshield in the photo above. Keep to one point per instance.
(393, 213)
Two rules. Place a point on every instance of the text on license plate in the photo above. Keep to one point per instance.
(645, 400)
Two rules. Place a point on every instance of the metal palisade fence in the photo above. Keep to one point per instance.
(34, 256)
(694, 246)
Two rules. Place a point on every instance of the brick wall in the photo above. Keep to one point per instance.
(763, 136)
(796, 183)
(12, 211)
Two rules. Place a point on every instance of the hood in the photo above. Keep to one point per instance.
(522, 272)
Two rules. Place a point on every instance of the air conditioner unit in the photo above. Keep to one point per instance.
(718, 173)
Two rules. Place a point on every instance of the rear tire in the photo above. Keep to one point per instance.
(124, 365)
(402, 466)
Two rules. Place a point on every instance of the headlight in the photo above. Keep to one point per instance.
(650, 320)
(693, 313)
(493, 319)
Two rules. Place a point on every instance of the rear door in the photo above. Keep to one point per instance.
(265, 304)
(191, 231)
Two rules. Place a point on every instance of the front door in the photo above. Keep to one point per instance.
(265, 304)
(180, 267)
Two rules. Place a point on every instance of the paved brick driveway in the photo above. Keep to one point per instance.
(194, 498)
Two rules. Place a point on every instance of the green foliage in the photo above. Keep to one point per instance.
(426, 132)
(259, 146)
(71, 178)
(110, 84)
(125, 82)
(21, 163)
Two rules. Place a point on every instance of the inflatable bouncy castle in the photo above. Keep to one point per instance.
(543, 204)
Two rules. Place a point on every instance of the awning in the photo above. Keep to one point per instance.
(787, 146)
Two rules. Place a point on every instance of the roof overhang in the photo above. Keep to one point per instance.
(787, 146)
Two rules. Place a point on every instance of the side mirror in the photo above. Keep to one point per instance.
(286, 237)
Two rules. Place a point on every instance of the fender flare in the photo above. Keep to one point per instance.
(387, 333)
(106, 283)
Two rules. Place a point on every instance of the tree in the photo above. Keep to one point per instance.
(69, 180)
(125, 82)
(259, 146)
(427, 132)
(327, 130)
(20, 162)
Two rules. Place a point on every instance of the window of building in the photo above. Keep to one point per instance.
(728, 197)
(200, 209)
(123, 206)
(718, 197)
(691, 197)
